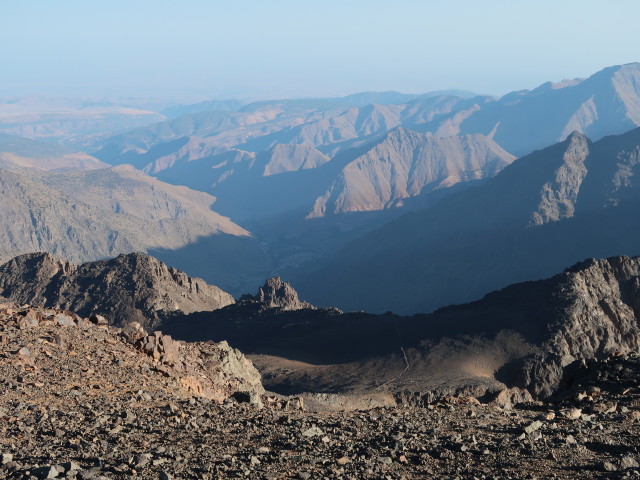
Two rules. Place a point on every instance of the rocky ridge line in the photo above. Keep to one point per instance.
(133, 287)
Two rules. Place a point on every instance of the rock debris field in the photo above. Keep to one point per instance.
(80, 399)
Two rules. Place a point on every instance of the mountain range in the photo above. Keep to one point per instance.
(605, 103)
(373, 201)
(74, 121)
(570, 201)
(308, 176)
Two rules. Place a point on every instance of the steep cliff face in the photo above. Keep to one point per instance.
(129, 288)
(599, 315)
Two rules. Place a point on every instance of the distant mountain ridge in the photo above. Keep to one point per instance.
(606, 103)
(19, 152)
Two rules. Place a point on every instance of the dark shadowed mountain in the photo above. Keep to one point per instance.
(522, 336)
(129, 288)
(573, 200)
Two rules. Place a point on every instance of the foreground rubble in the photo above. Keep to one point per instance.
(87, 401)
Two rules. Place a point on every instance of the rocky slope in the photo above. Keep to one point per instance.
(574, 200)
(67, 410)
(524, 337)
(129, 288)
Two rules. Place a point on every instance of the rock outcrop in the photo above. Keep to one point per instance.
(277, 294)
(129, 288)
(598, 315)
(88, 356)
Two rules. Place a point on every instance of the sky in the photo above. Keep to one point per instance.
(253, 49)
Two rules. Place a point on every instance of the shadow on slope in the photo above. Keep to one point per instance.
(235, 264)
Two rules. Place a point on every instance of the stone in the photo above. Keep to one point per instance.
(509, 397)
(98, 320)
(133, 332)
(71, 466)
(252, 398)
(573, 413)
(532, 427)
(64, 320)
(46, 472)
(142, 460)
(628, 462)
(312, 431)
(28, 321)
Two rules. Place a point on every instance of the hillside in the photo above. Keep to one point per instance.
(89, 215)
(527, 336)
(82, 400)
(407, 164)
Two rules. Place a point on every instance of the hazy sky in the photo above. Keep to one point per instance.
(287, 48)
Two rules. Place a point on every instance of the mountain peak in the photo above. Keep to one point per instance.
(577, 136)
(276, 293)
